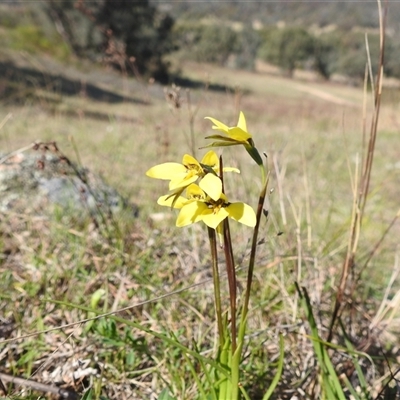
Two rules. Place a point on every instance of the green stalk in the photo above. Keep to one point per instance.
(264, 178)
(235, 368)
(224, 383)
(233, 386)
(245, 308)
(231, 273)
(237, 353)
(217, 290)
(230, 266)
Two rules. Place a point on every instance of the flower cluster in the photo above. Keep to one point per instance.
(199, 206)
(205, 201)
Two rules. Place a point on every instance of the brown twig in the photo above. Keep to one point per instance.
(41, 387)
(14, 153)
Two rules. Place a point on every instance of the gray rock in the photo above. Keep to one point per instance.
(35, 183)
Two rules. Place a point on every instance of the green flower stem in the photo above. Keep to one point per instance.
(229, 390)
(234, 362)
(263, 176)
(217, 290)
(254, 154)
(245, 308)
(224, 383)
(230, 265)
(237, 354)
(231, 273)
(259, 214)
(235, 369)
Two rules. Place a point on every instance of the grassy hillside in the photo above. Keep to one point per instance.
(56, 272)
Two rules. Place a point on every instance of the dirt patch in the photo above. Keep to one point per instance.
(325, 95)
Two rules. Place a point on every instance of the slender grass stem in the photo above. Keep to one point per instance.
(360, 203)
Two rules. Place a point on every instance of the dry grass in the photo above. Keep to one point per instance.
(311, 132)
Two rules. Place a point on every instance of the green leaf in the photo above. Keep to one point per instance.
(164, 395)
(330, 382)
(278, 373)
(88, 395)
(96, 297)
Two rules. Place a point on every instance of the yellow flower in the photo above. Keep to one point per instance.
(182, 175)
(198, 206)
(235, 135)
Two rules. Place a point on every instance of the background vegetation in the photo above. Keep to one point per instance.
(138, 38)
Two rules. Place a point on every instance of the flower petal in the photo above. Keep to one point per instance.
(242, 213)
(221, 137)
(170, 201)
(182, 180)
(242, 122)
(191, 213)
(213, 218)
(189, 161)
(218, 125)
(166, 171)
(212, 185)
(220, 233)
(194, 192)
(226, 143)
(239, 134)
(210, 159)
(231, 169)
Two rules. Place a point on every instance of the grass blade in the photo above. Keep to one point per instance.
(278, 374)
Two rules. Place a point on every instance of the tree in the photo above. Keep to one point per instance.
(353, 54)
(247, 48)
(326, 52)
(213, 43)
(287, 47)
(135, 31)
(74, 28)
(392, 57)
(142, 29)
(216, 44)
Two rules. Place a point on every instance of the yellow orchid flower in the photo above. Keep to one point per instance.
(182, 175)
(198, 206)
(236, 135)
